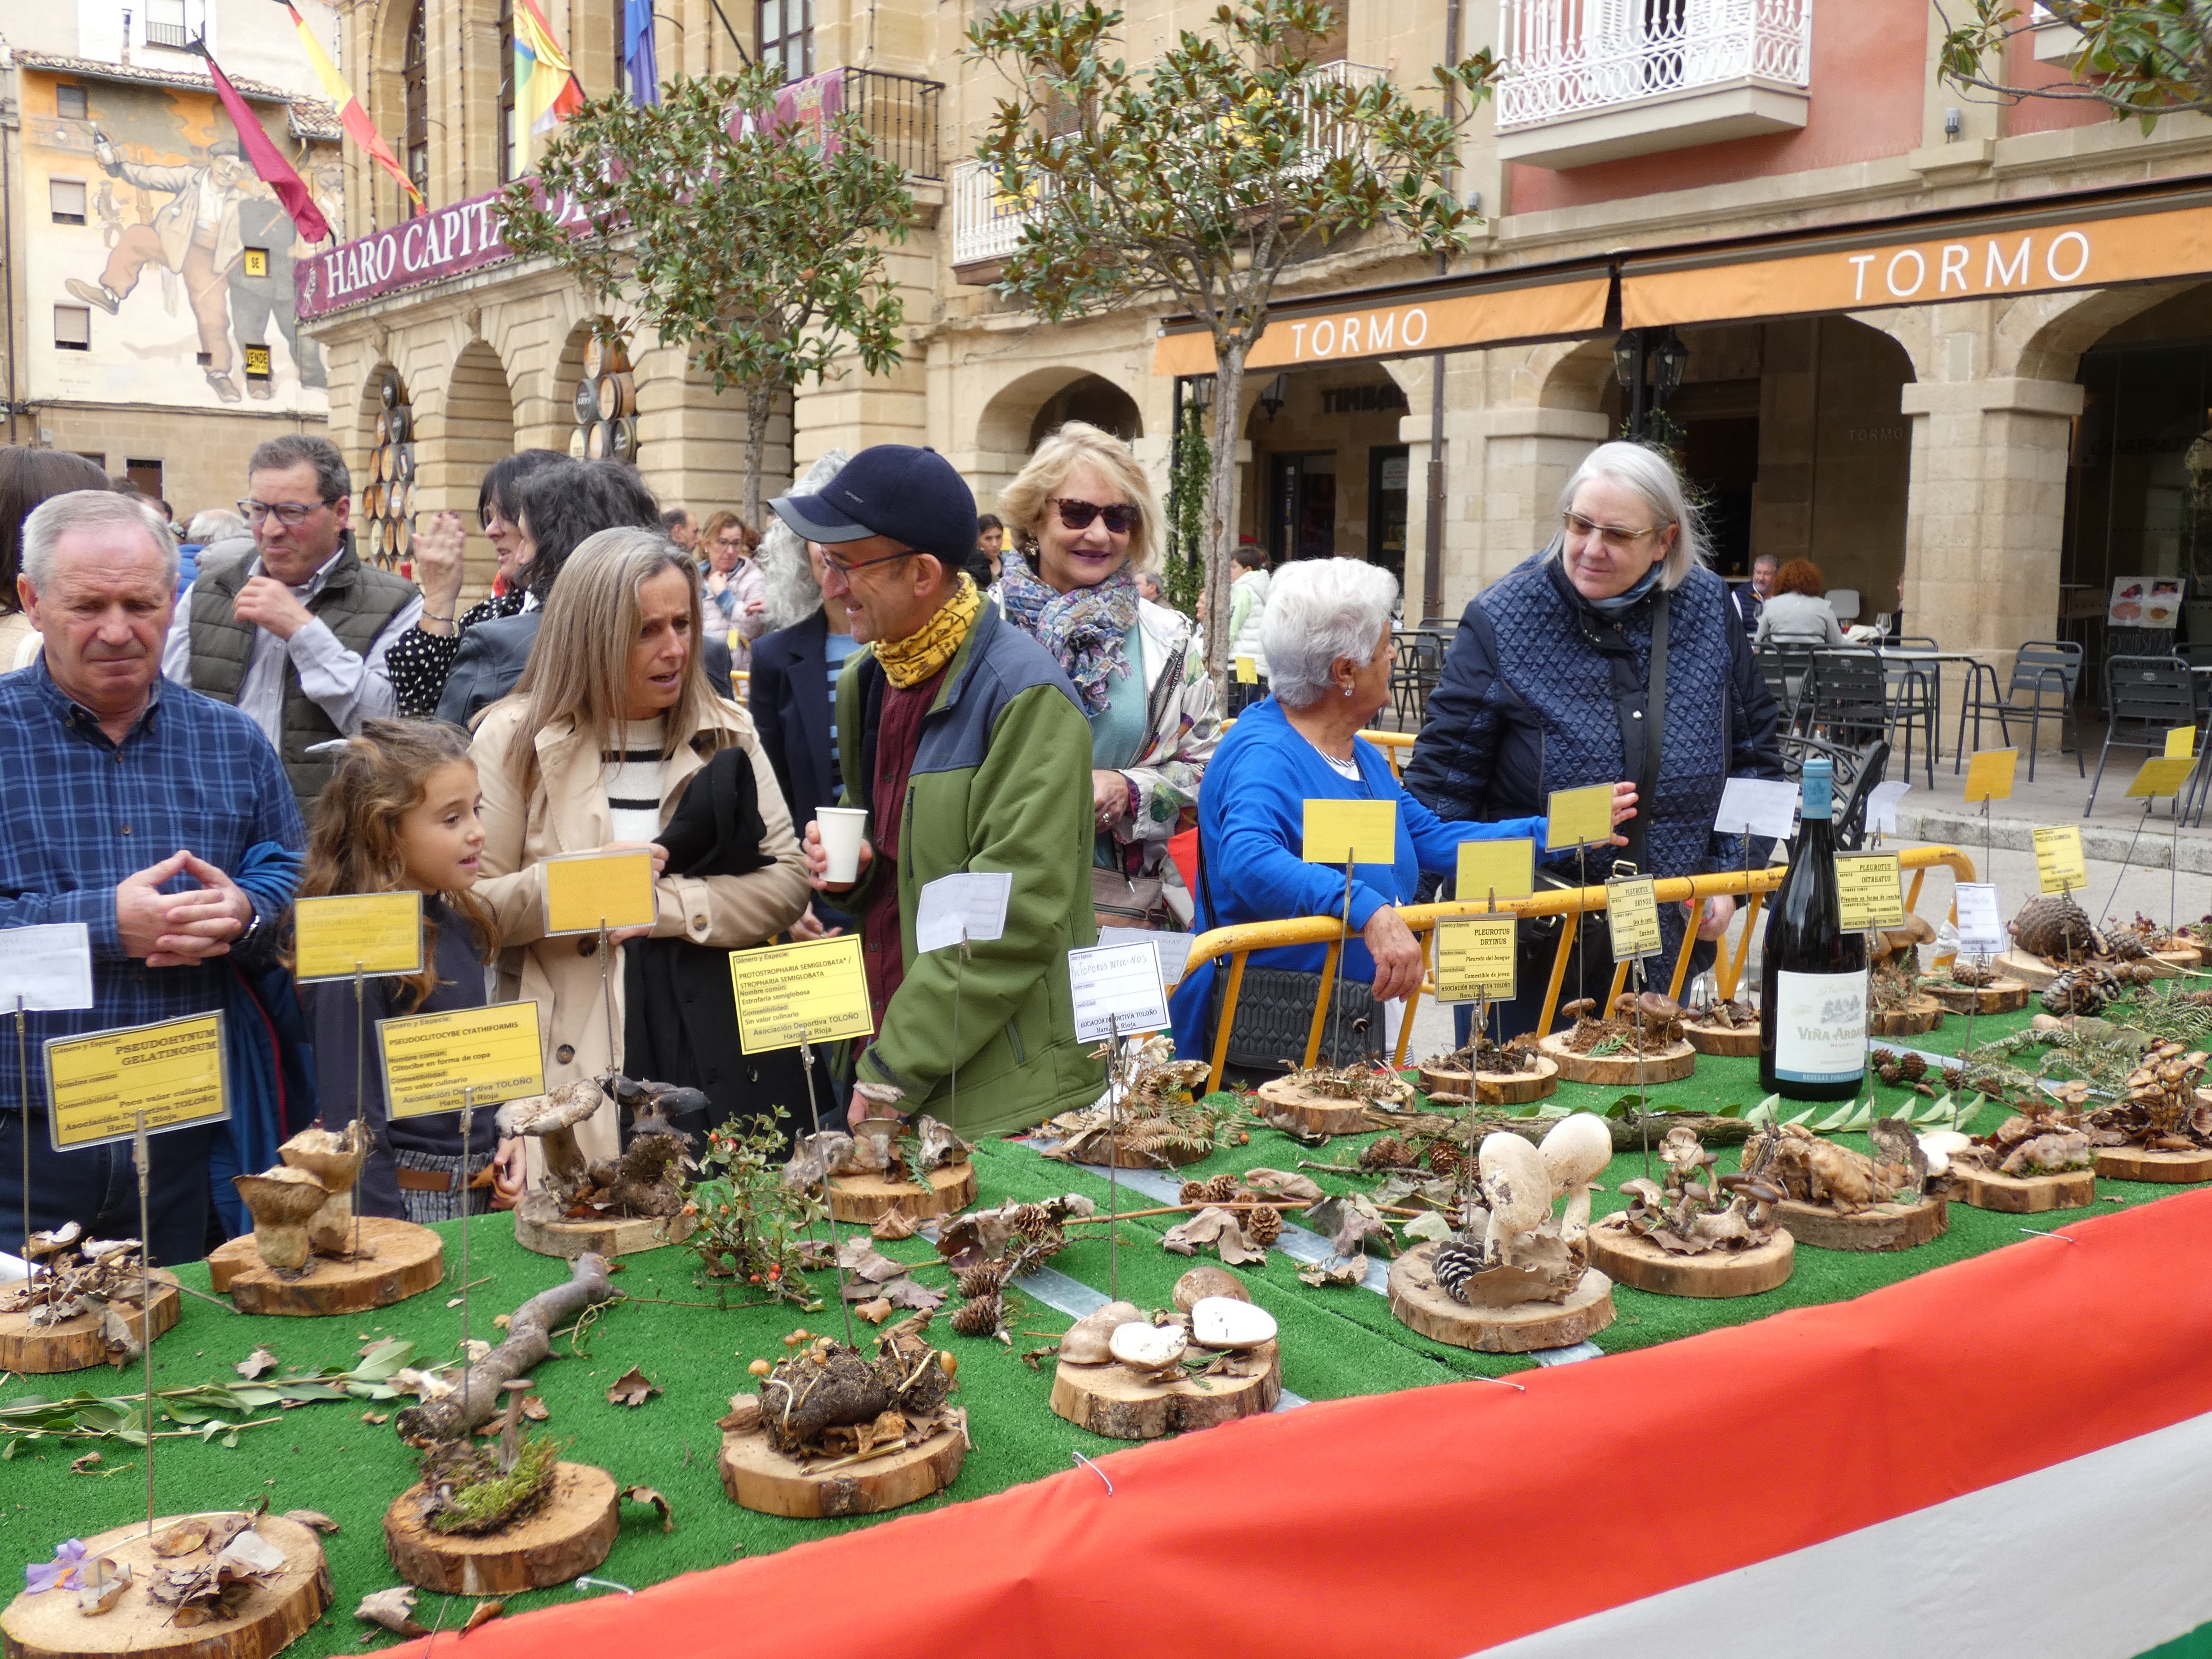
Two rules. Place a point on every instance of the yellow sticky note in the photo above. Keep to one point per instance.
(1988, 775)
(586, 891)
(1869, 890)
(1248, 670)
(788, 994)
(2160, 777)
(2059, 866)
(1505, 869)
(1579, 817)
(98, 1082)
(1474, 958)
(430, 1059)
(2181, 743)
(1368, 829)
(376, 933)
(1632, 912)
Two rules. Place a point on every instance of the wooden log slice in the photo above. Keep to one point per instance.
(1627, 1260)
(1880, 1227)
(77, 1344)
(1447, 1082)
(539, 1226)
(1668, 1065)
(2178, 955)
(1540, 1079)
(1421, 1304)
(757, 1476)
(2021, 1195)
(275, 1613)
(1126, 1157)
(398, 1259)
(2025, 966)
(2113, 1162)
(569, 1534)
(1733, 1042)
(1120, 1404)
(869, 1197)
(1315, 1113)
(2005, 996)
(1920, 1013)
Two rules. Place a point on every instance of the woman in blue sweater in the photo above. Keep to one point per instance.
(1326, 635)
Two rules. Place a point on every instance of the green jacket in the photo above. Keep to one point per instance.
(1001, 781)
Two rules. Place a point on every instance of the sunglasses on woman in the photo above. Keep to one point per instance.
(1121, 517)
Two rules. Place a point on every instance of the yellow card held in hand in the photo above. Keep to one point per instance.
(1248, 670)
(587, 891)
(1869, 890)
(1369, 829)
(1632, 912)
(1500, 869)
(1988, 775)
(2059, 866)
(813, 992)
(99, 1082)
(2181, 743)
(471, 1056)
(1474, 958)
(376, 933)
(1579, 817)
(2160, 777)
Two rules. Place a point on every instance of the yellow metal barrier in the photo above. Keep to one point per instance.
(1238, 942)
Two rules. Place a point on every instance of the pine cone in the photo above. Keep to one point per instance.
(1890, 1071)
(1455, 1264)
(2078, 991)
(1263, 1225)
(983, 1279)
(1221, 1189)
(1914, 1066)
(1033, 1221)
(1878, 1057)
(1194, 1192)
(2055, 929)
(978, 1318)
(1387, 1153)
(1954, 1079)
(1446, 1160)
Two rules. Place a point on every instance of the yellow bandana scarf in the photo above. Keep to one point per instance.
(913, 660)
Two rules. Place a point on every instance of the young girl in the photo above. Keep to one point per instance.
(400, 812)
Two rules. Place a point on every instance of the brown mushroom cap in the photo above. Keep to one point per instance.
(332, 1159)
(1578, 1007)
(1656, 1005)
(563, 1108)
(281, 1196)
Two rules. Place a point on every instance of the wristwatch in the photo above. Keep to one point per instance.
(254, 926)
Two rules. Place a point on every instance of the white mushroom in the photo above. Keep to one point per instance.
(1939, 1145)
(552, 1119)
(282, 1200)
(1223, 1321)
(1517, 1188)
(1144, 1347)
(1575, 1153)
(335, 1160)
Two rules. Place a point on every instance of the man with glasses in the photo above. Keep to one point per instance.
(963, 739)
(296, 635)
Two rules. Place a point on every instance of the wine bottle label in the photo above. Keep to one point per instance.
(1820, 1027)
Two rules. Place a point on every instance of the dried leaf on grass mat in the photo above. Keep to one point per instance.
(648, 1495)
(633, 1389)
(1281, 1183)
(1430, 1225)
(1347, 1270)
(314, 1519)
(392, 1608)
(1406, 1187)
(893, 1223)
(1349, 1222)
(1218, 1227)
(484, 1614)
(535, 1410)
(874, 1312)
(83, 1465)
(863, 1261)
(259, 1363)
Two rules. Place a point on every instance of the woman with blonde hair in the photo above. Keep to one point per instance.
(737, 588)
(614, 741)
(1084, 522)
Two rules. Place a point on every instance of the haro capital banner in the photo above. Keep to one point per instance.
(449, 242)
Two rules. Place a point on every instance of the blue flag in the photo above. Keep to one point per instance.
(640, 58)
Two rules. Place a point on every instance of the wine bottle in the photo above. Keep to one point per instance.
(1813, 1009)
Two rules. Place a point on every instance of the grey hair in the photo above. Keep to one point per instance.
(791, 594)
(91, 509)
(332, 481)
(1318, 611)
(1651, 476)
(212, 525)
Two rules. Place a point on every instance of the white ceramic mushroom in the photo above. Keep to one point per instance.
(1575, 1153)
(1517, 1188)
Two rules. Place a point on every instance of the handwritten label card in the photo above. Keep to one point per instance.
(1757, 806)
(1981, 924)
(172, 1072)
(1988, 775)
(813, 992)
(1870, 890)
(1368, 828)
(1496, 869)
(2059, 866)
(1632, 912)
(972, 902)
(1579, 817)
(380, 932)
(429, 1059)
(47, 969)
(587, 891)
(1474, 958)
(1117, 988)
(2161, 776)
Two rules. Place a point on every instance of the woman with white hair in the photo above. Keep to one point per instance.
(1085, 525)
(1327, 633)
(1553, 683)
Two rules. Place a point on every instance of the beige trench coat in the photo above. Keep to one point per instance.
(566, 812)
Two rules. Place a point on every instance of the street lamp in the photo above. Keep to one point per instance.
(1275, 395)
(1670, 358)
(1651, 364)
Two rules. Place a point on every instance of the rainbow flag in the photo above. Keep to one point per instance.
(545, 89)
(351, 115)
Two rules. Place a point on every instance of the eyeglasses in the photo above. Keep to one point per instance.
(1617, 538)
(290, 514)
(831, 560)
(1120, 516)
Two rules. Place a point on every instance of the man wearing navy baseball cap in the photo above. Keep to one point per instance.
(964, 741)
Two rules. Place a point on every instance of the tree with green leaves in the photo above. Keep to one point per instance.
(1198, 180)
(758, 251)
(2139, 61)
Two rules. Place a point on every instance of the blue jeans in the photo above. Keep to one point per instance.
(97, 1186)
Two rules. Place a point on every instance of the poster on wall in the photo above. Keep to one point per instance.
(2145, 602)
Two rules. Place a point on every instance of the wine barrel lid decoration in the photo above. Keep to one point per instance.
(385, 531)
(605, 398)
(1699, 1233)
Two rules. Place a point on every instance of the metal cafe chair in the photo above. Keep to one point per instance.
(2147, 697)
(1912, 689)
(1858, 769)
(1846, 699)
(1786, 669)
(2045, 675)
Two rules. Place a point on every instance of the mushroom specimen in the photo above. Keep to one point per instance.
(1144, 1347)
(552, 1120)
(334, 1160)
(283, 1200)
(1225, 1322)
(1087, 1340)
(1575, 1153)
(1517, 1186)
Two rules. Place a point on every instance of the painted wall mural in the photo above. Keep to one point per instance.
(164, 268)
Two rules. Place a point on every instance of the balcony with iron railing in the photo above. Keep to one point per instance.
(1587, 81)
(987, 220)
(899, 113)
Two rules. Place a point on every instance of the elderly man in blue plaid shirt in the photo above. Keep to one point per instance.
(159, 818)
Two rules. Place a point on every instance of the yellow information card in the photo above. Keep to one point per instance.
(1869, 890)
(1989, 774)
(1248, 670)
(98, 1082)
(812, 992)
(1474, 958)
(431, 1059)
(375, 932)
(1579, 817)
(1632, 912)
(2181, 743)
(2059, 866)
(1368, 828)
(1496, 869)
(586, 891)
(2160, 777)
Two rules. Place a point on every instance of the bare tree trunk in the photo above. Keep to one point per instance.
(760, 406)
(1221, 505)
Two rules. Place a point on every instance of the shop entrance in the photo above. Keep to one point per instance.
(1301, 504)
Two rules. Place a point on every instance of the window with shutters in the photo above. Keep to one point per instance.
(65, 197)
(786, 33)
(72, 328)
(70, 103)
(414, 75)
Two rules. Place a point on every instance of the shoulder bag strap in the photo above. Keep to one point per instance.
(1654, 735)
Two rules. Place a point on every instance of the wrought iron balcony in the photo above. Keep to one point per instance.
(900, 113)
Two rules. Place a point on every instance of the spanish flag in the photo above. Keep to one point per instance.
(351, 115)
(545, 89)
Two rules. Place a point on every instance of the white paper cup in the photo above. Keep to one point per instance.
(841, 828)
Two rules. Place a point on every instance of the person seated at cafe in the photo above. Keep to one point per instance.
(1797, 613)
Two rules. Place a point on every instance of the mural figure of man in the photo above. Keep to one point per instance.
(257, 302)
(194, 233)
